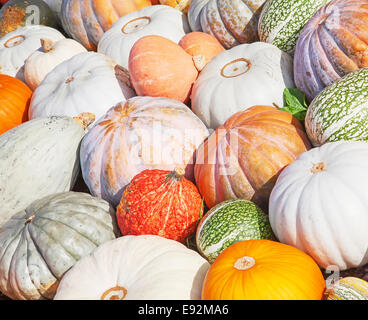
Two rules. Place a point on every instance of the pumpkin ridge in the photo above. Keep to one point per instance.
(312, 65)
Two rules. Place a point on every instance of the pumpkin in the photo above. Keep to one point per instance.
(202, 47)
(86, 21)
(144, 133)
(243, 158)
(332, 44)
(19, 13)
(88, 82)
(349, 288)
(329, 224)
(55, 6)
(18, 45)
(181, 5)
(154, 20)
(14, 102)
(232, 22)
(146, 267)
(263, 270)
(40, 243)
(281, 21)
(339, 112)
(159, 67)
(160, 202)
(38, 158)
(229, 222)
(239, 78)
(51, 54)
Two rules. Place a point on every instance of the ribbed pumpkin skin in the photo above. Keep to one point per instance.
(229, 222)
(159, 67)
(339, 112)
(15, 97)
(281, 21)
(280, 272)
(144, 133)
(349, 288)
(332, 44)
(86, 21)
(232, 22)
(243, 158)
(39, 244)
(160, 202)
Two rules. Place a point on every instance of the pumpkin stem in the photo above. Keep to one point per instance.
(319, 167)
(30, 218)
(177, 175)
(122, 75)
(85, 119)
(244, 263)
(115, 293)
(199, 62)
(47, 45)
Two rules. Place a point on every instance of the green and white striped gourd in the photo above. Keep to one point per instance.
(349, 288)
(340, 111)
(228, 222)
(281, 21)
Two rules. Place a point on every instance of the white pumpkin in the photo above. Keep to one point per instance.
(239, 78)
(51, 54)
(153, 20)
(143, 267)
(18, 45)
(40, 243)
(38, 158)
(319, 204)
(88, 82)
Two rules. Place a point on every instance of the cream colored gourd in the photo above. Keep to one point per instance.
(319, 204)
(153, 20)
(239, 78)
(39, 244)
(143, 267)
(50, 55)
(88, 82)
(38, 158)
(17, 46)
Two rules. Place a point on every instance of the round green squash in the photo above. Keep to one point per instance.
(19, 13)
(348, 288)
(39, 244)
(281, 21)
(228, 222)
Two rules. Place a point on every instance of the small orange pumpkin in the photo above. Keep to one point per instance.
(263, 270)
(15, 97)
(159, 67)
(202, 47)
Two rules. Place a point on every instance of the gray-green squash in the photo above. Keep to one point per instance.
(39, 244)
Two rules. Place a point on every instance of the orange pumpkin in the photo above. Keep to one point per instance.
(86, 21)
(160, 202)
(202, 47)
(15, 97)
(243, 158)
(182, 5)
(159, 67)
(263, 270)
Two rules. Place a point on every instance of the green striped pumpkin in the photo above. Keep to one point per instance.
(349, 288)
(281, 21)
(228, 222)
(340, 111)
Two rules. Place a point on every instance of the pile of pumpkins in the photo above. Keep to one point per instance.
(221, 145)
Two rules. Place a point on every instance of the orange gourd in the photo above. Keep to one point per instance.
(202, 47)
(160, 202)
(15, 97)
(243, 158)
(263, 270)
(159, 67)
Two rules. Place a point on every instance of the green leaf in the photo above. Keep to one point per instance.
(295, 103)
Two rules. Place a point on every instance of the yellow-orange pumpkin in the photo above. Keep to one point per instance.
(15, 97)
(202, 47)
(182, 5)
(263, 270)
(159, 67)
(243, 158)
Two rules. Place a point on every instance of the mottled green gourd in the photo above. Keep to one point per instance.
(349, 288)
(340, 111)
(281, 21)
(228, 222)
